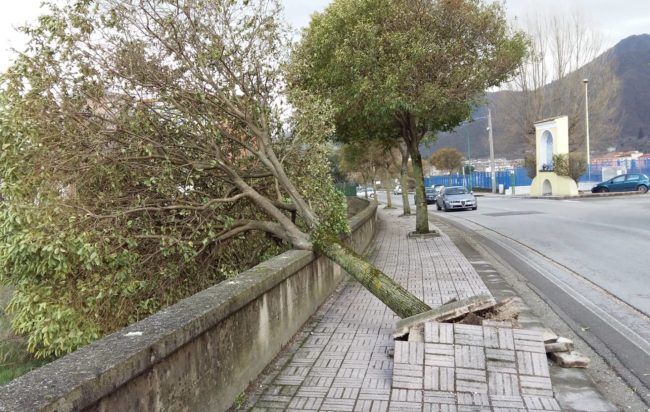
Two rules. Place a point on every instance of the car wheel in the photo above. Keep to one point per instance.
(444, 207)
(604, 190)
(642, 189)
(475, 207)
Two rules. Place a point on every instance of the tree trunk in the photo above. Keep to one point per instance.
(409, 125)
(389, 189)
(374, 189)
(403, 178)
(398, 299)
(421, 213)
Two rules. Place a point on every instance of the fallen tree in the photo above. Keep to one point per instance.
(138, 137)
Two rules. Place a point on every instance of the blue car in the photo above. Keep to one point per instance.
(631, 182)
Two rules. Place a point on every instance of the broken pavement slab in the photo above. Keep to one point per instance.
(570, 359)
(445, 312)
(560, 345)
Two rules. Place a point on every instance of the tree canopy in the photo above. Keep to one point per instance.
(420, 63)
(447, 159)
(140, 139)
(142, 150)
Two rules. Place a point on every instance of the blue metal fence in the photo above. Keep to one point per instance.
(483, 180)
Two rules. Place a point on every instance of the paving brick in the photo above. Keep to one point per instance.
(529, 363)
(305, 403)
(312, 391)
(506, 384)
(541, 403)
(508, 402)
(439, 379)
(442, 357)
(330, 404)
(471, 357)
(438, 332)
(473, 399)
(536, 386)
(371, 406)
(468, 335)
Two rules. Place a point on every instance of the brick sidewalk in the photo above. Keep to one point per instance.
(343, 362)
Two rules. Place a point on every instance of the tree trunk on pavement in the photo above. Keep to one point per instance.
(421, 213)
(403, 178)
(389, 189)
(409, 125)
(398, 299)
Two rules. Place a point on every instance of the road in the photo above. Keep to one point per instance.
(587, 258)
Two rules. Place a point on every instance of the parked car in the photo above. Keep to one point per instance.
(397, 190)
(630, 182)
(431, 194)
(361, 192)
(456, 197)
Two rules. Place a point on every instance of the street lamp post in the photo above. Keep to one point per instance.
(469, 163)
(586, 82)
(492, 168)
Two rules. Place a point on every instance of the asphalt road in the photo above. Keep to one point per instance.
(587, 258)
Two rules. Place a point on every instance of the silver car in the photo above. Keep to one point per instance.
(456, 197)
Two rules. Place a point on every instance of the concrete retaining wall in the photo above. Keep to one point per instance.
(197, 355)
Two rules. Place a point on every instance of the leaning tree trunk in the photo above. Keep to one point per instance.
(403, 179)
(398, 299)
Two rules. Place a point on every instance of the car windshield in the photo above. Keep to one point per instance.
(455, 191)
(430, 190)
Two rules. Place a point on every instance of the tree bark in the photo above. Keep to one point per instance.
(403, 178)
(410, 135)
(421, 213)
(389, 189)
(398, 299)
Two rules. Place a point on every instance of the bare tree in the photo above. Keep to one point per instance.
(562, 53)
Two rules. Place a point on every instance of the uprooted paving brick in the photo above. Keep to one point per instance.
(345, 363)
(472, 368)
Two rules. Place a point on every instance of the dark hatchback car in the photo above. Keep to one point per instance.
(631, 182)
(431, 194)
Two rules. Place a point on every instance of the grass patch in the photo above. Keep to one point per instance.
(9, 373)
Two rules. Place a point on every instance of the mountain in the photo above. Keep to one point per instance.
(625, 126)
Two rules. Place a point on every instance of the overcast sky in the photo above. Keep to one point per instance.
(617, 19)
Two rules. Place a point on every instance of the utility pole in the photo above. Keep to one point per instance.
(469, 163)
(491, 138)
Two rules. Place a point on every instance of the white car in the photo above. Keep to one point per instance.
(456, 197)
(361, 192)
(397, 190)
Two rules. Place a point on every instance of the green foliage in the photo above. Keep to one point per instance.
(405, 67)
(310, 153)
(468, 169)
(577, 165)
(447, 158)
(380, 59)
(530, 163)
(561, 165)
(133, 175)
